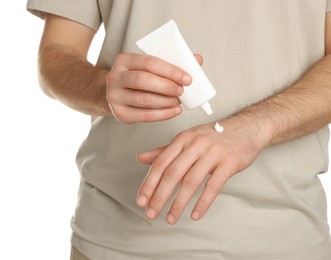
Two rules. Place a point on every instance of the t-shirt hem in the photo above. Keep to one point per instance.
(96, 252)
(77, 243)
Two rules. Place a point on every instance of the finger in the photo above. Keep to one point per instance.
(146, 81)
(149, 157)
(171, 177)
(190, 184)
(155, 173)
(211, 190)
(155, 66)
(199, 58)
(145, 99)
(129, 114)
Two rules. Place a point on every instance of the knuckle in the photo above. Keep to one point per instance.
(170, 173)
(138, 79)
(177, 207)
(146, 99)
(212, 188)
(175, 74)
(149, 63)
(111, 95)
(157, 165)
(118, 113)
(148, 117)
(147, 189)
(168, 114)
(174, 102)
(169, 88)
(200, 140)
(213, 150)
(203, 205)
(182, 136)
(120, 58)
(189, 181)
(157, 201)
(231, 167)
(200, 143)
(111, 80)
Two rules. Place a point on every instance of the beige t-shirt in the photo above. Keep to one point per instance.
(275, 209)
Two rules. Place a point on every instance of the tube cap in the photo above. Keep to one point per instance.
(207, 108)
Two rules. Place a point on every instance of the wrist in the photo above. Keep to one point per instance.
(257, 129)
(102, 97)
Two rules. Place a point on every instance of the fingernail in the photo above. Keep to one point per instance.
(150, 213)
(180, 90)
(141, 201)
(195, 215)
(178, 110)
(170, 219)
(186, 80)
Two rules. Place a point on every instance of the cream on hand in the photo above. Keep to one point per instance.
(168, 44)
(218, 128)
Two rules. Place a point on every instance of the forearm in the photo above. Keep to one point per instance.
(298, 110)
(68, 77)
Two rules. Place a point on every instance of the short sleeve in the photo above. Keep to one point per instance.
(83, 11)
(328, 6)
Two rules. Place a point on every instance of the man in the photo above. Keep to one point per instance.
(251, 192)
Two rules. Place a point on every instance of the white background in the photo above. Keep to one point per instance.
(38, 143)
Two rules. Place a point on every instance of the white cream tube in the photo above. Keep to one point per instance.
(168, 44)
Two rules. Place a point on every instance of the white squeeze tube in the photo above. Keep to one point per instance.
(168, 44)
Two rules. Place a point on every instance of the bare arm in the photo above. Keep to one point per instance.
(300, 109)
(138, 88)
(65, 74)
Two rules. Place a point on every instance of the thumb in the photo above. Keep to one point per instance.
(149, 157)
(199, 58)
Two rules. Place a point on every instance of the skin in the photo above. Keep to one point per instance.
(138, 88)
(141, 88)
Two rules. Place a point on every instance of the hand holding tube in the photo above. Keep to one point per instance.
(143, 88)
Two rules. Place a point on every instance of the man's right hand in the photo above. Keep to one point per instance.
(140, 88)
(143, 88)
